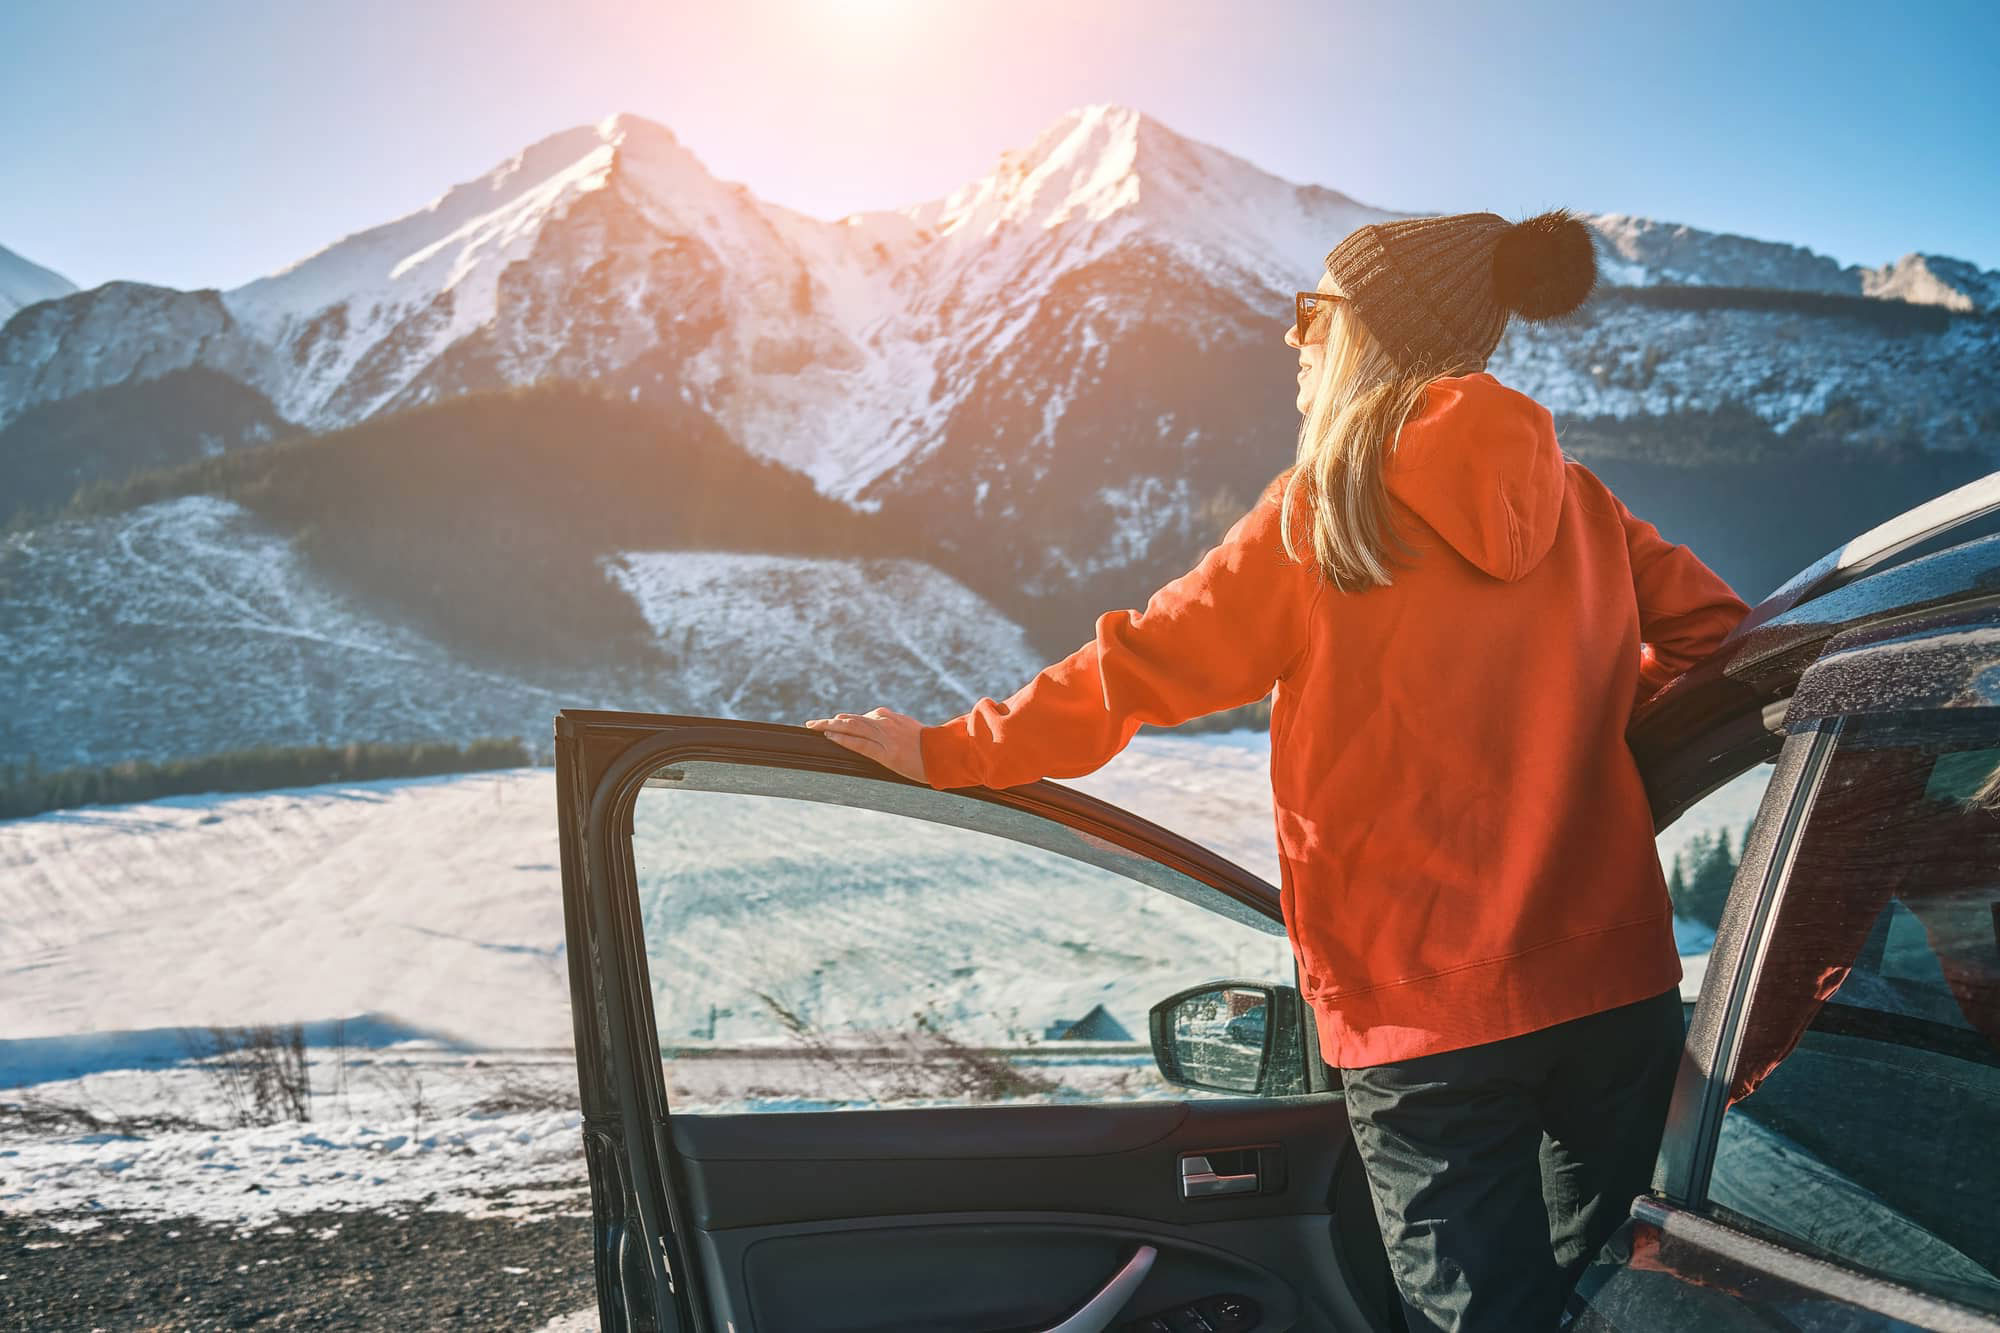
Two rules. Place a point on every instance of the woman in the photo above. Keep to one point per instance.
(1457, 620)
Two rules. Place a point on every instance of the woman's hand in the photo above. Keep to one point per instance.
(889, 738)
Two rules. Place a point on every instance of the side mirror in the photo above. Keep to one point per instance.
(1231, 1036)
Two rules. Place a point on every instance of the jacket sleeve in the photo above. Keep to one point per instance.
(1218, 636)
(1685, 608)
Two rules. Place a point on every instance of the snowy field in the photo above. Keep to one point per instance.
(415, 927)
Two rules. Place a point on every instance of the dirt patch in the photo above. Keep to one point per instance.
(391, 1270)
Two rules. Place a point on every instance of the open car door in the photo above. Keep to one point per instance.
(857, 1055)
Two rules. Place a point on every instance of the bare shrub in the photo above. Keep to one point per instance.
(948, 1067)
(512, 1089)
(259, 1071)
(818, 1049)
(339, 1052)
(407, 1083)
(922, 1062)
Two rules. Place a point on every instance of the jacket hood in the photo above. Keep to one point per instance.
(1479, 463)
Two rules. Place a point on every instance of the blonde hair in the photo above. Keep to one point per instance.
(1359, 405)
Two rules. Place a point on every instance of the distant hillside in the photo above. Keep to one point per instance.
(485, 521)
(1759, 506)
(53, 449)
(1756, 504)
(190, 626)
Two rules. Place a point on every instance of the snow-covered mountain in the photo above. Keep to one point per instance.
(845, 348)
(24, 283)
(1642, 252)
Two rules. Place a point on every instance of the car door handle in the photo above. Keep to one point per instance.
(1098, 1312)
(1199, 1180)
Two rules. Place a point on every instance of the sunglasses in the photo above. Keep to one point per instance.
(1306, 308)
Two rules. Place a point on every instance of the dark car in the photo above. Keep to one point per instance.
(809, 1000)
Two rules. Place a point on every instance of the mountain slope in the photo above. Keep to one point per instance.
(484, 520)
(119, 333)
(189, 626)
(24, 283)
(109, 434)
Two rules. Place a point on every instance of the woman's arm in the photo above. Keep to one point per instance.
(1218, 636)
(1686, 609)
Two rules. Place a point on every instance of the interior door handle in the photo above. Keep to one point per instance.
(1199, 1180)
(1098, 1312)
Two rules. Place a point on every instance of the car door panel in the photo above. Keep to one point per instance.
(860, 1170)
(971, 1218)
(841, 1211)
(1004, 1271)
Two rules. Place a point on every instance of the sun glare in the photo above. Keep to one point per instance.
(874, 9)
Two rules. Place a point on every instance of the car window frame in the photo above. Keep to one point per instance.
(1714, 1035)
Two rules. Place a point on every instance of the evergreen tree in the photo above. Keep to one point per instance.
(1711, 870)
(31, 792)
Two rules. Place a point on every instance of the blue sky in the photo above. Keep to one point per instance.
(204, 143)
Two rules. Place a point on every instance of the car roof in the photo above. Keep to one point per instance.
(1934, 567)
(1951, 517)
(1938, 553)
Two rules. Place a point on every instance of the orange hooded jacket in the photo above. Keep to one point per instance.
(1465, 846)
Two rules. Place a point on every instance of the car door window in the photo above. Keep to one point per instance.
(1865, 1099)
(820, 941)
(1699, 853)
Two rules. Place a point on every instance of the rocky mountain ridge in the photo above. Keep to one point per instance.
(844, 348)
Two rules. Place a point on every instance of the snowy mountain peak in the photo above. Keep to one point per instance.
(363, 316)
(623, 125)
(24, 283)
(372, 269)
(1104, 171)
(648, 156)
(1082, 167)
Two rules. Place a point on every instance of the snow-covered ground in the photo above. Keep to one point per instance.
(428, 913)
(403, 1127)
(437, 900)
(416, 927)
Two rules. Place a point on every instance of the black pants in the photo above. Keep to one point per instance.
(1499, 1170)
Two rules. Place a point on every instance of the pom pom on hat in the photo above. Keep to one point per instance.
(1545, 266)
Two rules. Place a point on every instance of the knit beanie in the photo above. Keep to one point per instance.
(1436, 291)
